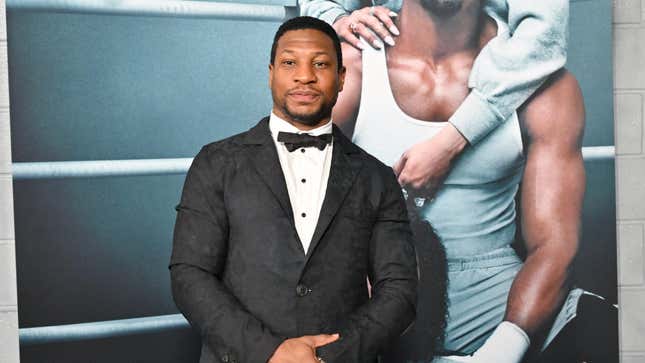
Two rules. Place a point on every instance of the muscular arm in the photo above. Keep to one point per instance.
(346, 109)
(551, 201)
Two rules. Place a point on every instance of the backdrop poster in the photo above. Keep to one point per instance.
(120, 87)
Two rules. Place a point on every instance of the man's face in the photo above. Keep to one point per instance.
(304, 77)
(442, 7)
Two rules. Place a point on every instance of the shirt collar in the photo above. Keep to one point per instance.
(276, 124)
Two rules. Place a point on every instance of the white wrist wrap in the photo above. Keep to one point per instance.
(507, 344)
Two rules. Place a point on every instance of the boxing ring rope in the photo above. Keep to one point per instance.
(105, 168)
(101, 329)
(138, 167)
(99, 168)
(593, 153)
(174, 9)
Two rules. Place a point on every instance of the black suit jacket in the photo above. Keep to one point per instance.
(239, 272)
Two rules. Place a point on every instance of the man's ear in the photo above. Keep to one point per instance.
(341, 78)
(270, 75)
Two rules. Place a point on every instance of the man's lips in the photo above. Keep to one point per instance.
(304, 96)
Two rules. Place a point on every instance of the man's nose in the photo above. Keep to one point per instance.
(305, 74)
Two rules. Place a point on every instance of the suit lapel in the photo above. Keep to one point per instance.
(345, 165)
(265, 160)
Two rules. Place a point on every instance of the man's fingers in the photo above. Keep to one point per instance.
(319, 340)
(403, 179)
(400, 164)
(401, 171)
(324, 339)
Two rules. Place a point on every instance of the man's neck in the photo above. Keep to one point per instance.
(430, 35)
(300, 126)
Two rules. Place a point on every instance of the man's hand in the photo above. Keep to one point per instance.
(425, 165)
(372, 23)
(301, 349)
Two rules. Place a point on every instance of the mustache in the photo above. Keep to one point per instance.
(304, 90)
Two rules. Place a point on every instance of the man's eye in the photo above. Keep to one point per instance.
(320, 64)
(288, 62)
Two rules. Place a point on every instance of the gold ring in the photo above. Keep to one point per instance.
(372, 10)
(352, 27)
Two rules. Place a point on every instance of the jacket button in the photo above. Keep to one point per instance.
(225, 358)
(302, 290)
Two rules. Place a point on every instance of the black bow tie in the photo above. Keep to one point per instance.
(294, 141)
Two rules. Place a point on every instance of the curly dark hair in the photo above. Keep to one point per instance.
(307, 22)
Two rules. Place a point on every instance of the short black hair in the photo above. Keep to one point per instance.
(307, 22)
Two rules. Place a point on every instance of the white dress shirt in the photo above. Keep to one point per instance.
(306, 171)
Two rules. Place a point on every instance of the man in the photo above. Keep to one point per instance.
(394, 102)
(277, 232)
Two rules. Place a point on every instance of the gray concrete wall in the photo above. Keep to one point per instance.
(629, 92)
(8, 299)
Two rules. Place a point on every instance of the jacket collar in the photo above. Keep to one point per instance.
(260, 134)
(345, 166)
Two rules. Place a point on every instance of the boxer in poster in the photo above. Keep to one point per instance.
(396, 104)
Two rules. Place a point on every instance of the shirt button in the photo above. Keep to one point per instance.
(302, 150)
(302, 290)
(304, 215)
(303, 180)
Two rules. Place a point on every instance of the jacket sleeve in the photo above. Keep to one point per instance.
(326, 10)
(330, 10)
(198, 258)
(393, 276)
(513, 65)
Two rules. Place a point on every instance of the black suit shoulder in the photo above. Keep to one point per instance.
(227, 147)
(226, 152)
(377, 169)
(377, 165)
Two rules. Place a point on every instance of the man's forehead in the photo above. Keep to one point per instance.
(305, 40)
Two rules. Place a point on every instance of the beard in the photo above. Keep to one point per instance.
(443, 8)
(310, 118)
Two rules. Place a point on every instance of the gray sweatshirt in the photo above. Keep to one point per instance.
(530, 46)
